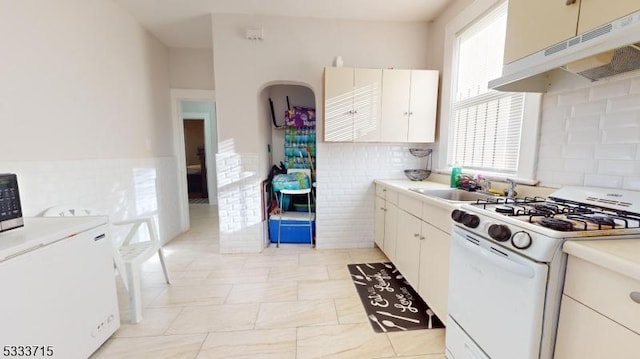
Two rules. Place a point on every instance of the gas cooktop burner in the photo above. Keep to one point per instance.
(505, 209)
(599, 219)
(547, 208)
(557, 224)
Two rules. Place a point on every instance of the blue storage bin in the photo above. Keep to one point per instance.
(292, 234)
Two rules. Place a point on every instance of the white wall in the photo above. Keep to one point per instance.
(191, 68)
(84, 103)
(295, 51)
(437, 32)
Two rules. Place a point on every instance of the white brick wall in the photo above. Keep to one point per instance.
(591, 136)
(120, 188)
(239, 203)
(345, 192)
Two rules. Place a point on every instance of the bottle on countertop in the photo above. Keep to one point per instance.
(455, 174)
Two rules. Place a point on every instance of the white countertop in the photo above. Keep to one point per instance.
(402, 186)
(621, 256)
(41, 231)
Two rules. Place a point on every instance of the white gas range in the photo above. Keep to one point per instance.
(507, 266)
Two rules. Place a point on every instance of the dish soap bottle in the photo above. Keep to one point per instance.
(455, 173)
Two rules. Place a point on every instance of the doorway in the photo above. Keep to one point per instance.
(193, 106)
(194, 153)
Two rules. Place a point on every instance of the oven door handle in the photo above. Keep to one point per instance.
(496, 259)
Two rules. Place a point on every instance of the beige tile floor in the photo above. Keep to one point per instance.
(287, 302)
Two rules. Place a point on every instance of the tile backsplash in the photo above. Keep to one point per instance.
(591, 136)
(345, 193)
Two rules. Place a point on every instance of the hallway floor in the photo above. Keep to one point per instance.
(287, 302)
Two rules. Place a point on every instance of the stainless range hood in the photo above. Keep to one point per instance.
(606, 51)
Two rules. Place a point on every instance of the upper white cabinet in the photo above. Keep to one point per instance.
(594, 13)
(535, 25)
(352, 104)
(374, 105)
(409, 101)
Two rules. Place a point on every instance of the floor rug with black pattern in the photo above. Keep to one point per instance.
(390, 302)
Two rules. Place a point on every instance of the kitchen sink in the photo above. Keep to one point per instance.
(452, 194)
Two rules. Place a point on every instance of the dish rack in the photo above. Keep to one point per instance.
(420, 174)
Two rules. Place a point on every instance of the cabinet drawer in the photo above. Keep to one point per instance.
(605, 291)
(438, 217)
(387, 194)
(586, 334)
(410, 205)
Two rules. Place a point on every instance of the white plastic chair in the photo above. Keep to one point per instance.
(128, 256)
(311, 216)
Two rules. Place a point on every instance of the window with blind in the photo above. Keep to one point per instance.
(486, 124)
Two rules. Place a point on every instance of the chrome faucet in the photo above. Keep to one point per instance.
(511, 190)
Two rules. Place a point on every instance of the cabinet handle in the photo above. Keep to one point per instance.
(384, 190)
(382, 208)
(410, 113)
(422, 238)
(571, 2)
(406, 113)
(355, 111)
(635, 296)
(417, 235)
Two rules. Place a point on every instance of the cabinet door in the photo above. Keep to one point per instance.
(367, 104)
(390, 231)
(408, 247)
(594, 13)
(434, 269)
(395, 105)
(338, 104)
(379, 229)
(423, 101)
(535, 25)
(586, 334)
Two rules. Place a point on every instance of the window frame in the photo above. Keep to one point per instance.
(529, 137)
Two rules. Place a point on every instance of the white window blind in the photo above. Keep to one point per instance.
(487, 124)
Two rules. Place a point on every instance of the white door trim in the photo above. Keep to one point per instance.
(178, 95)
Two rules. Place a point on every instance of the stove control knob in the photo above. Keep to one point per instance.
(457, 215)
(499, 232)
(470, 220)
(521, 240)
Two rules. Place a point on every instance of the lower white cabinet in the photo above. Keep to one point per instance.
(381, 208)
(386, 213)
(599, 317)
(434, 268)
(408, 247)
(415, 236)
(390, 231)
(586, 334)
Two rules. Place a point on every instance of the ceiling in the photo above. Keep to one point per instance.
(187, 23)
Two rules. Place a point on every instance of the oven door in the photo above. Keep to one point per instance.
(496, 297)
